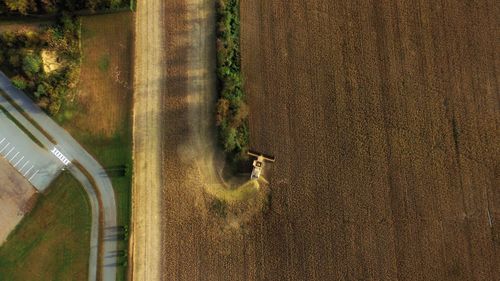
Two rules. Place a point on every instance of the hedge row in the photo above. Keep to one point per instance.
(232, 110)
(21, 59)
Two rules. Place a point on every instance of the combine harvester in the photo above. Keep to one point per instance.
(258, 164)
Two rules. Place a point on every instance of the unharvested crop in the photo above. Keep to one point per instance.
(383, 117)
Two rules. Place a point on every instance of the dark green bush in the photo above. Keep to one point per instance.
(32, 64)
(19, 82)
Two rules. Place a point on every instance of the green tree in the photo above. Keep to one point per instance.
(229, 137)
(14, 57)
(40, 91)
(19, 82)
(50, 6)
(32, 64)
(222, 111)
(21, 6)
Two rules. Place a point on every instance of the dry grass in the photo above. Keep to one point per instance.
(382, 116)
(203, 224)
(101, 105)
(50, 61)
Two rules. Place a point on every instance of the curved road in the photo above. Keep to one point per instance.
(74, 152)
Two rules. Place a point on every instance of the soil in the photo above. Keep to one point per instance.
(50, 61)
(17, 197)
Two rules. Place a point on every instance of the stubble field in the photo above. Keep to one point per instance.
(383, 117)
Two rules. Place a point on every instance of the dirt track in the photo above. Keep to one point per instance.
(16, 198)
(149, 87)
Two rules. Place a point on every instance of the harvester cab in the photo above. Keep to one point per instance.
(258, 164)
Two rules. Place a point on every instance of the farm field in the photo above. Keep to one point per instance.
(100, 113)
(197, 243)
(383, 117)
(35, 249)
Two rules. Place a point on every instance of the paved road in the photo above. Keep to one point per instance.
(146, 193)
(36, 164)
(74, 152)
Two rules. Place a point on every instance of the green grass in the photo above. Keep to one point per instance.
(112, 152)
(51, 242)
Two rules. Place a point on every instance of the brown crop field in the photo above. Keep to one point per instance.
(383, 117)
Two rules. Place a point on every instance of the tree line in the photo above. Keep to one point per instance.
(232, 109)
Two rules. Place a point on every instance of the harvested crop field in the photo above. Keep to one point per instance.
(383, 117)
